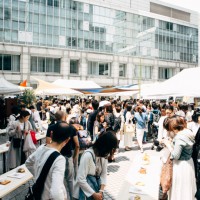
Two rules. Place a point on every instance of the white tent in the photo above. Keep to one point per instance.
(46, 88)
(9, 88)
(76, 84)
(185, 83)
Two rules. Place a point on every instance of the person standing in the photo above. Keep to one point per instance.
(181, 154)
(71, 158)
(17, 132)
(92, 118)
(128, 136)
(54, 184)
(141, 118)
(92, 170)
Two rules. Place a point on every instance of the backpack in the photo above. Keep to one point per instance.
(84, 139)
(156, 116)
(117, 123)
(52, 116)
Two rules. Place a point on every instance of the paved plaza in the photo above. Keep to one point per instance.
(117, 172)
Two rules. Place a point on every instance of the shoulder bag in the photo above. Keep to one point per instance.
(17, 141)
(35, 192)
(166, 176)
(93, 181)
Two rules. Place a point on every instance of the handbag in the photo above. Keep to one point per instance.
(33, 136)
(35, 192)
(128, 128)
(28, 143)
(166, 176)
(84, 139)
(17, 142)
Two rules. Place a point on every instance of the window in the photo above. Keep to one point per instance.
(143, 72)
(165, 73)
(98, 68)
(74, 65)
(42, 64)
(10, 62)
(122, 70)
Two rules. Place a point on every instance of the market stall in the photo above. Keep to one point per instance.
(185, 83)
(46, 88)
(9, 88)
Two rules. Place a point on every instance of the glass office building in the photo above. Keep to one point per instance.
(70, 39)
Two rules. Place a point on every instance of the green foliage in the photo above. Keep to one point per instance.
(28, 97)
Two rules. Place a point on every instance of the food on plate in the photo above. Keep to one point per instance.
(4, 182)
(21, 170)
(142, 170)
(146, 157)
(140, 183)
(137, 197)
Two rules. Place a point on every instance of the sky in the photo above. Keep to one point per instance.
(190, 4)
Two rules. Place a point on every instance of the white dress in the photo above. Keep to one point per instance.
(128, 137)
(183, 181)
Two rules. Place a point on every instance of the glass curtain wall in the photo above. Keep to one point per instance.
(74, 25)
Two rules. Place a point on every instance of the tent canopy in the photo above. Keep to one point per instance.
(9, 88)
(46, 88)
(185, 83)
(76, 84)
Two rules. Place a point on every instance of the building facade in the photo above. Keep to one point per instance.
(112, 42)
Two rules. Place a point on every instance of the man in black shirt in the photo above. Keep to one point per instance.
(92, 117)
(67, 151)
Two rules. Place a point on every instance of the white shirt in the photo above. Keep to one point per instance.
(162, 133)
(194, 127)
(54, 185)
(88, 167)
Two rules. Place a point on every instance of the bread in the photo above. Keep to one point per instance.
(140, 184)
(21, 170)
(4, 182)
(142, 171)
(146, 157)
(137, 197)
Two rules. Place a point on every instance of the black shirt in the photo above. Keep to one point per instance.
(39, 105)
(67, 149)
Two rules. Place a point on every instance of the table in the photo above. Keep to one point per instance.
(151, 180)
(3, 150)
(15, 182)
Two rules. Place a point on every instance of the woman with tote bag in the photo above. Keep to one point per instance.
(17, 132)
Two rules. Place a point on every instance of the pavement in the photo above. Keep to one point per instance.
(117, 172)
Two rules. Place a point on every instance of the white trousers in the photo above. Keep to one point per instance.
(140, 135)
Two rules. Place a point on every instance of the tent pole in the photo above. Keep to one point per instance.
(140, 77)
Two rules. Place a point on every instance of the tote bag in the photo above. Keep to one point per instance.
(128, 128)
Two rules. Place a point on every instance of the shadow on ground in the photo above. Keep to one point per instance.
(121, 158)
(113, 168)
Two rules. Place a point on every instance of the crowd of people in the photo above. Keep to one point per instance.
(82, 162)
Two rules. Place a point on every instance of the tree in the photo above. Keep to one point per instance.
(28, 97)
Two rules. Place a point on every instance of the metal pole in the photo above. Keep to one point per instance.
(140, 78)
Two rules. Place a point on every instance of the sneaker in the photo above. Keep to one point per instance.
(141, 150)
